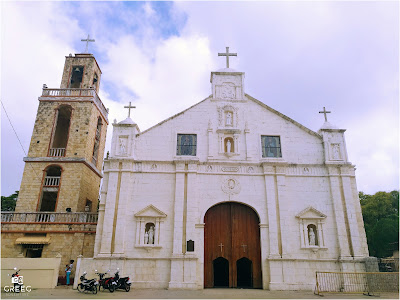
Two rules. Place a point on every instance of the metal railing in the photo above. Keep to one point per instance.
(388, 264)
(356, 282)
(52, 181)
(57, 152)
(48, 217)
(76, 93)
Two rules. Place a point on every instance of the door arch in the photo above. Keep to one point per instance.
(232, 234)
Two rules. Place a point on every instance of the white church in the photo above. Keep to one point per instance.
(239, 195)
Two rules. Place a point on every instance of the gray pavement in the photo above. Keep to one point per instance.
(63, 292)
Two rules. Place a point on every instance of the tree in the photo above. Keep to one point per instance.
(8, 203)
(381, 221)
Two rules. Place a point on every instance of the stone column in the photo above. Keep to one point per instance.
(210, 139)
(343, 242)
(351, 212)
(100, 219)
(192, 203)
(264, 240)
(247, 141)
(270, 192)
(178, 207)
(108, 223)
(283, 212)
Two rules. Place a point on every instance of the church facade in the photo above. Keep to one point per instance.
(228, 193)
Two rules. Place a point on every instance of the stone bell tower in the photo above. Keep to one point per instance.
(63, 167)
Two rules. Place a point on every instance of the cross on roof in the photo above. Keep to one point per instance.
(227, 54)
(325, 112)
(129, 109)
(87, 43)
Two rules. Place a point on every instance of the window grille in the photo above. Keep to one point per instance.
(271, 146)
(186, 144)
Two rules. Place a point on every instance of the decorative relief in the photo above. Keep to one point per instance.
(231, 186)
(250, 170)
(123, 144)
(228, 116)
(154, 167)
(230, 169)
(305, 171)
(335, 150)
(209, 168)
(226, 91)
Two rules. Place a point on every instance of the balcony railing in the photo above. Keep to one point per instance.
(52, 181)
(77, 93)
(57, 152)
(49, 217)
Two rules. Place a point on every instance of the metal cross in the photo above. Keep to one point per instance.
(244, 248)
(129, 109)
(325, 112)
(227, 54)
(220, 245)
(87, 43)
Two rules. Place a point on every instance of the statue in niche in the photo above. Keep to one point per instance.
(311, 236)
(228, 146)
(146, 238)
(229, 118)
(151, 235)
(122, 145)
(336, 151)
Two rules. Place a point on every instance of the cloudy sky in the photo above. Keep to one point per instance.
(298, 57)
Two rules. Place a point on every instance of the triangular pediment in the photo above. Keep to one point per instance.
(150, 212)
(310, 213)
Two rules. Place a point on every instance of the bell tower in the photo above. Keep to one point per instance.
(63, 167)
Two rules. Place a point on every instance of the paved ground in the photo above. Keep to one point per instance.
(69, 293)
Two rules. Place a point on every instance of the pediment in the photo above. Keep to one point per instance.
(310, 213)
(150, 212)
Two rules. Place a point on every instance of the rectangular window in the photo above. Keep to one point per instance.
(271, 146)
(186, 144)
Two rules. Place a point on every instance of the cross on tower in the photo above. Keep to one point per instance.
(129, 109)
(227, 54)
(220, 245)
(325, 112)
(87, 43)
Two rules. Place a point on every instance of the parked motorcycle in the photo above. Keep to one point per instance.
(87, 284)
(122, 282)
(105, 283)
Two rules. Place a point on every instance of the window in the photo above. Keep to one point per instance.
(76, 77)
(51, 183)
(33, 250)
(149, 227)
(96, 142)
(60, 134)
(271, 146)
(186, 144)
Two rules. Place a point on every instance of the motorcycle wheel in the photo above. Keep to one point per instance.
(94, 289)
(81, 288)
(111, 288)
(127, 287)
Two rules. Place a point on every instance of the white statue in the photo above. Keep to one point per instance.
(228, 118)
(228, 146)
(311, 236)
(146, 238)
(122, 146)
(151, 235)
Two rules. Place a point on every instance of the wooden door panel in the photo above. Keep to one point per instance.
(233, 225)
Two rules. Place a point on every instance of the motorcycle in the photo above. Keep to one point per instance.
(87, 284)
(105, 283)
(122, 282)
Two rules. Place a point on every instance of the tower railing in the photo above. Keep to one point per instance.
(47, 92)
(52, 181)
(57, 152)
(49, 217)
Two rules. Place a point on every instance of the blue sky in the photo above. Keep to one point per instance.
(297, 56)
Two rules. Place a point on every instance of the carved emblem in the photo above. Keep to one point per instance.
(209, 168)
(230, 169)
(231, 186)
(228, 91)
(306, 170)
(154, 167)
(250, 170)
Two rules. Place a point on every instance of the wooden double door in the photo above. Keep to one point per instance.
(232, 254)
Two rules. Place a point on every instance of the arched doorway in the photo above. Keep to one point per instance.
(232, 253)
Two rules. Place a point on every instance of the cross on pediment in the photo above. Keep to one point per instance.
(227, 54)
(87, 43)
(220, 245)
(325, 112)
(129, 109)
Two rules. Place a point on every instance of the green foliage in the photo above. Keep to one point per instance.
(8, 203)
(381, 221)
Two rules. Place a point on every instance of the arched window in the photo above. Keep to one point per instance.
(60, 134)
(97, 141)
(51, 184)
